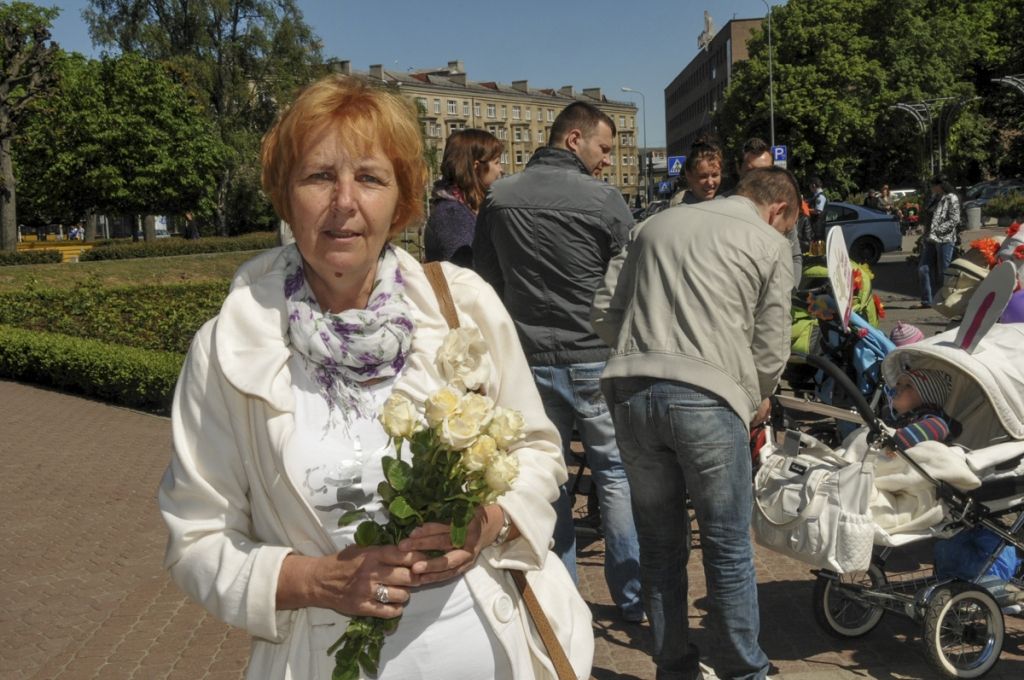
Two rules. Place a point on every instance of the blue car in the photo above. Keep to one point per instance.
(868, 232)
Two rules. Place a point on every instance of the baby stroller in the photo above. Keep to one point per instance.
(930, 490)
(818, 334)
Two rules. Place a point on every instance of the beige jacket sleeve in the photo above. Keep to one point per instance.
(771, 339)
(205, 501)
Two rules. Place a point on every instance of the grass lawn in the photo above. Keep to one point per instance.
(145, 270)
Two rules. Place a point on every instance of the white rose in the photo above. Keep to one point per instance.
(502, 471)
(458, 432)
(479, 454)
(477, 407)
(399, 416)
(442, 404)
(506, 427)
(462, 359)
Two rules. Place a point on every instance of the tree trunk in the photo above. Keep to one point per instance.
(90, 227)
(8, 204)
(222, 203)
(137, 230)
(149, 228)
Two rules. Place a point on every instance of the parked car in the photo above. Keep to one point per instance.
(654, 208)
(898, 195)
(980, 194)
(868, 232)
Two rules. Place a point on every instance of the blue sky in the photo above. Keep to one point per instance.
(585, 43)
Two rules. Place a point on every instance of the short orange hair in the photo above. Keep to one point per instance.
(369, 117)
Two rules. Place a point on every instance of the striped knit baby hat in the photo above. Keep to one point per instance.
(933, 386)
(905, 334)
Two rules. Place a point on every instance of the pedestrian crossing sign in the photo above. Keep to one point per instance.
(675, 165)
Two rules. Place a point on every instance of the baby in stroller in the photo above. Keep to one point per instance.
(918, 399)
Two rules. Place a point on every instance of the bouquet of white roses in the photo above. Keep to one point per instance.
(459, 443)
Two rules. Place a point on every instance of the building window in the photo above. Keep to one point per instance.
(528, 113)
(453, 107)
(540, 137)
(490, 111)
(517, 134)
(515, 113)
(551, 115)
(632, 122)
(465, 109)
(504, 112)
(611, 158)
(622, 121)
(526, 135)
(437, 106)
(476, 109)
(421, 104)
(519, 156)
(504, 157)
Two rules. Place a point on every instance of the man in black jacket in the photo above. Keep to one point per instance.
(543, 240)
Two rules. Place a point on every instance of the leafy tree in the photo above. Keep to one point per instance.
(840, 66)
(120, 135)
(26, 56)
(244, 57)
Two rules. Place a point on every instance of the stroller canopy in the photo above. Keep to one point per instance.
(988, 386)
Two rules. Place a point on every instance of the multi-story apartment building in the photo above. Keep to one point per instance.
(517, 114)
(693, 96)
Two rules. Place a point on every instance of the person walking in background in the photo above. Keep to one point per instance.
(757, 154)
(471, 164)
(694, 359)
(543, 241)
(703, 172)
(818, 203)
(939, 240)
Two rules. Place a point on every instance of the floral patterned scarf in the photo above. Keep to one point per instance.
(343, 351)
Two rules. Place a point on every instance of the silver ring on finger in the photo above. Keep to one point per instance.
(382, 594)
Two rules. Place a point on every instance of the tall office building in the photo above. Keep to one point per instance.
(693, 96)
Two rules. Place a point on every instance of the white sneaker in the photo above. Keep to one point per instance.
(706, 671)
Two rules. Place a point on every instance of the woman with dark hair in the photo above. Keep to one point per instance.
(703, 172)
(939, 240)
(471, 164)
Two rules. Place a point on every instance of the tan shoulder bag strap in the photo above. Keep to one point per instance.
(540, 621)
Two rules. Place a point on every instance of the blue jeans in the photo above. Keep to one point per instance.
(677, 439)
(931, 267)
(572, 397)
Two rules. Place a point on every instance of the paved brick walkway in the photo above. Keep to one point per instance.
(83, 596)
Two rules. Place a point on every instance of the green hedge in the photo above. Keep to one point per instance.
(128, 376)
(175, 246)
(156, 317)
(29, 257)
(1010, 205)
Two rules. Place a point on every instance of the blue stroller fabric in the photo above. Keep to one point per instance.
(963, 556)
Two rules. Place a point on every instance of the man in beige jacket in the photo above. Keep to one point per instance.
(698, 319)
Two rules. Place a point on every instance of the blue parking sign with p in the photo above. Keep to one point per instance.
(780, 154)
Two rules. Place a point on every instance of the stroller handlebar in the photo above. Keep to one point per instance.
(843, 380)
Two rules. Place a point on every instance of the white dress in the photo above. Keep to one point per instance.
(336, 467)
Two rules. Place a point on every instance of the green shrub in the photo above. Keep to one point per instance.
(128, 376)
(30, 257)
(156, 317)
(175, 246)
(1009, 205)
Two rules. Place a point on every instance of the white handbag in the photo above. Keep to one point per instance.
(813, 506)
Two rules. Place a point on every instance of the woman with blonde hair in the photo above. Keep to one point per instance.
(471, 164)
(277, 433)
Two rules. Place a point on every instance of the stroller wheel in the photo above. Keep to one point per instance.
(841, 610)
(963, 631)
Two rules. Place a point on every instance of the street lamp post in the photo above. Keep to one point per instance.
(771, 80)
(643, 159)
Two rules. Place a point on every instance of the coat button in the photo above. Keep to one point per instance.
(504, 610)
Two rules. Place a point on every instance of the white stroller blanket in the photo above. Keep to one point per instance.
(903, 504)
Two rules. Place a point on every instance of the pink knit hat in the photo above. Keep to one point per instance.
(905, 334)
